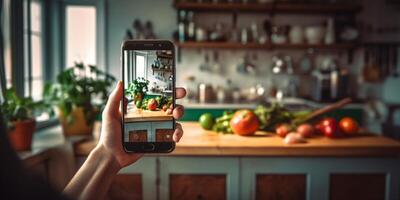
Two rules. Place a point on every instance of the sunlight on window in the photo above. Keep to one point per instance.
(140, 66)
(81, 35)
(36, 52)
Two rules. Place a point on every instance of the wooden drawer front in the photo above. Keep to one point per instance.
(357, 186)
(164, 135)
(138, 136)
(197, 187)
(126, 186)
(281, 186)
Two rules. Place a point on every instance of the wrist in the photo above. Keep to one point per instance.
(105, 158)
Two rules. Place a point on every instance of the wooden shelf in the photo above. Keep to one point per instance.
(230, 45)
(305, 8)
(161, 70)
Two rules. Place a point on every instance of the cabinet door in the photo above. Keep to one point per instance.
(357, 186)
(281, 186)
(126, 186)
(137, 131)
(137, 181)
(163, 131)
(189, 186)
(199, 178)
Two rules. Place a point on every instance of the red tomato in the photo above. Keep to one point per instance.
(164, 108)
(152, 105)
(329, 127)
(348, 126)
(283, 129)
(330, 131)
(305, 130)
(328, 122)
(244, 122)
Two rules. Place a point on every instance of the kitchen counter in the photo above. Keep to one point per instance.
(198, 142)
(147, 115)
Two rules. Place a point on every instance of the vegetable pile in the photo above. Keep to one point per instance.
(293, 126)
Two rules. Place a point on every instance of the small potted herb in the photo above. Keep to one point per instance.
(20, 112)
(137, 90)
(78, 97)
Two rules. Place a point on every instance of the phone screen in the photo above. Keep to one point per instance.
(149, 82)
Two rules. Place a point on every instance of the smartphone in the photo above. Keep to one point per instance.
(148, 71)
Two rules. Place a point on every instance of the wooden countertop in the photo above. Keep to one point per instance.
(198, 142)
(135, 115)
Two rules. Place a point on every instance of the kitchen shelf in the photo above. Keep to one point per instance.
(231, 45)
(282, 7)
(161, 70)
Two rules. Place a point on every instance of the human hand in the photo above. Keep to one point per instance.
(111, 133)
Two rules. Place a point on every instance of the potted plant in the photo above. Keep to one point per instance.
(137, 90)
(78, 97)
(19, 112)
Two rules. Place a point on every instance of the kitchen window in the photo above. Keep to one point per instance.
(33, 33)
(80, 34)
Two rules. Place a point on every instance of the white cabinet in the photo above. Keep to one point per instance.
(223, 177)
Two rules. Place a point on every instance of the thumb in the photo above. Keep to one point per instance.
(113, 103)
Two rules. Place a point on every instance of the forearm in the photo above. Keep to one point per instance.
(93, 179)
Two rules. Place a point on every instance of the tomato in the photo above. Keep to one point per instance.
(305, 130)
(329, 122)
(282, 130)
(244, 122)
(329, 128)
(164, 108)
(348, 126)
(152, 105)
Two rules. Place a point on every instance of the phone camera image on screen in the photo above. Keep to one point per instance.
(148, 97)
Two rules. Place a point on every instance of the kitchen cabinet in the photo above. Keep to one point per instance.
(281, 186)
(137, 181)
(126, 186)
(207, 165)
(357, 186)
(199, 178)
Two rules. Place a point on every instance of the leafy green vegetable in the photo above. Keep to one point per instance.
(222, 125)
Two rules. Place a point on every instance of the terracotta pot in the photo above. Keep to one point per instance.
(21, 135)
(78, 126)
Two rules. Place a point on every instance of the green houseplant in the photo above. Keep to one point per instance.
(78, 97)
(20, 112)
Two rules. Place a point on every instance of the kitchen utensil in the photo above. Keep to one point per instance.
(296, 34)
(277, 64)
(330, 32)
(279, 34)
(205, 66)
(314, 34)
(306, 63)
(201, 34)
(329, 82)
(327, 109)
(206, 93)
(216, 66)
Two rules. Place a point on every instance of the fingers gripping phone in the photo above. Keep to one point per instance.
(148, 71)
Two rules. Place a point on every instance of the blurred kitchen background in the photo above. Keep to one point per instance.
(230, 54)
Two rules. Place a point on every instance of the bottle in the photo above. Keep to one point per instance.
(191, 29)
(330, 32)
(182, 26)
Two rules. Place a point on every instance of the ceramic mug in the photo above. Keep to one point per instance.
(314, 34)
